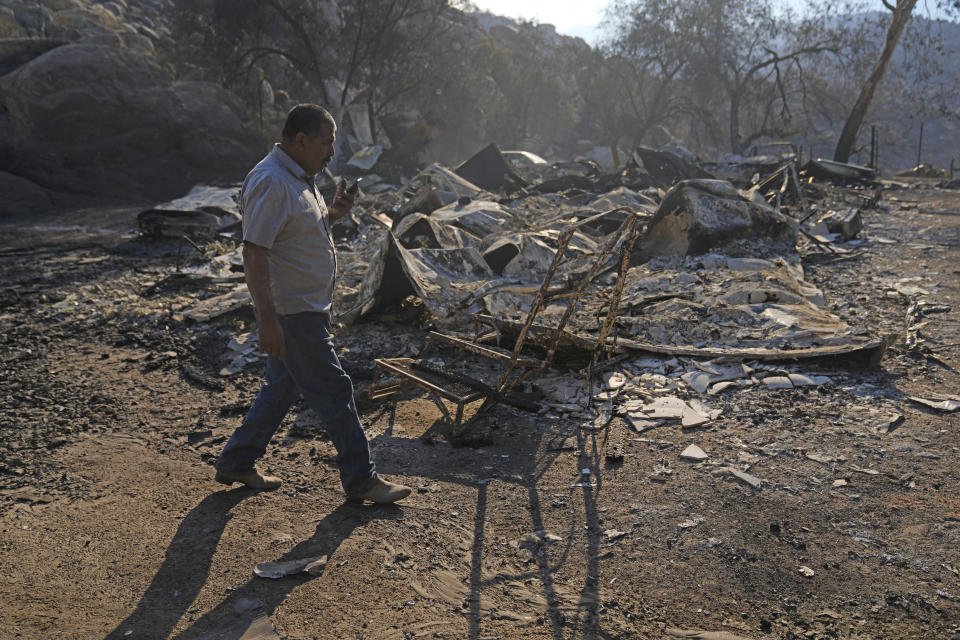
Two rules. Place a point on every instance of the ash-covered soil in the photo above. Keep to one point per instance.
(112, 411)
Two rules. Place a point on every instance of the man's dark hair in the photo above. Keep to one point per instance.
(307, 118)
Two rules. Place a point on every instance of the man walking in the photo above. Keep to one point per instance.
(290, 264)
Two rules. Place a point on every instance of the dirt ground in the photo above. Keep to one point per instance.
(112, 526)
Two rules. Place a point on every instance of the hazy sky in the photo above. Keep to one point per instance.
(570, 17)
(582, 17)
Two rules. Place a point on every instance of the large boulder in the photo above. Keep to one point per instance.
(697, 215)
(21, 195)
(15, 53)
(103, 120)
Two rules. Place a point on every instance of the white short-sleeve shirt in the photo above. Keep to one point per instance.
(284, 213)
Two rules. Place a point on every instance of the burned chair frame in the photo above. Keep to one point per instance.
(405, 371)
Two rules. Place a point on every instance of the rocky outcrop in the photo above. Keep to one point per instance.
(105, 120)
(133, 25)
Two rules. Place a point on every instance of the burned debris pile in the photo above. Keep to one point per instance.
(562, 264)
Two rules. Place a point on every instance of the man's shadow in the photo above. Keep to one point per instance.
(186, 565)
(260, 597)
(189, 557)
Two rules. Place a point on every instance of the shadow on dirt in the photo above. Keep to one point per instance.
(530, 476)
(187, 565)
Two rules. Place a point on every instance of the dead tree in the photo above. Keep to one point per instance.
(848, 137)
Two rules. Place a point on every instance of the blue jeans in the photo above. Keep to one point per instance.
(309, 368)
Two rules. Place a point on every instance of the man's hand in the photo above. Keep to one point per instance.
(256, 270)
(271, 336)
(342, 202)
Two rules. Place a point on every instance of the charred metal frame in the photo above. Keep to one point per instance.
(625, 236)
(433, 337)
(402, 368)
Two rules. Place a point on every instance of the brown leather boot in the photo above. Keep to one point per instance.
(253, 479)
(381, 492)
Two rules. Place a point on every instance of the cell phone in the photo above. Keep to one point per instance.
(352, 189)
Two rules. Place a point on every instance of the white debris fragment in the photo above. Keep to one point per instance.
(601, 418)
(720, 386)
(706, 367)
(641, 424)
(699, 381)
(889, 422)
(690, 414)
(274, 570)
(693, 452)
(742, 476)
(800, 380)
(704, 409)
(778, 382)
(910, 290)
(710, 373)
(614, 380)
(666, 407)
(947, 406)
(693, 418)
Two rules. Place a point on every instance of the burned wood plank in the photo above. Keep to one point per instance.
(867, 353)
(195, 374)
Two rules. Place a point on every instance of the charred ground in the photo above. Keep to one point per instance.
(111, 522)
